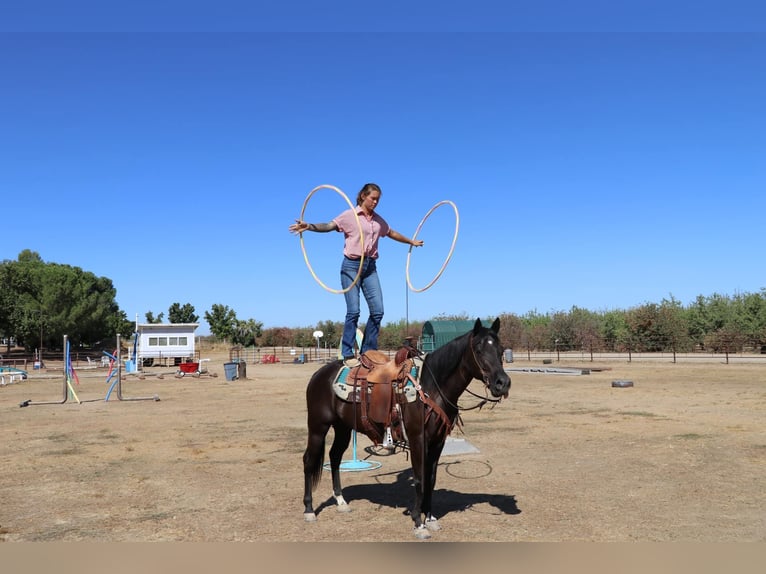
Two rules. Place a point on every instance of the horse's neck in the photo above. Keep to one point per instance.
(449, 385)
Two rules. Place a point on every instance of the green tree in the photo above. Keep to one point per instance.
(303, 337)
(561, 329)
(614, 331)
(11, 308)
(749, 318)
(708, 315)
(673, 326)
(246, 333)
(331, 332)
(182, 314)
(42, 302)
(642, 322)
(587, 328)
(392, 335)
(150, 318)
(222, 321)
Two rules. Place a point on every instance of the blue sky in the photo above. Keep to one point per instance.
(595, 162)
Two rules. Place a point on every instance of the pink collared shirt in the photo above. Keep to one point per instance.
(373, 228)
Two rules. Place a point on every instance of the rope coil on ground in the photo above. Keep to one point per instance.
(449, 255)
(361, 239)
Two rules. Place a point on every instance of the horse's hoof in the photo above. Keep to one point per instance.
(433, 525)
(344, 508)
(309, 517)
(421, 533)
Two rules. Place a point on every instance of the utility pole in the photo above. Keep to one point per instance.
(40, 350)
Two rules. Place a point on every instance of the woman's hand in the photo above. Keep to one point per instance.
(298, 227)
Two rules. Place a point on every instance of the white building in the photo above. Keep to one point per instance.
(163, 341)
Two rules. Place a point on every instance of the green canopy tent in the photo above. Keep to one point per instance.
(436, 334)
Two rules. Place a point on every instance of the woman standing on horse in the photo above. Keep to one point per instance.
(363, 218)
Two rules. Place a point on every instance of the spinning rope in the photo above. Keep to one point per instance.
(451, 249)
(361, 239)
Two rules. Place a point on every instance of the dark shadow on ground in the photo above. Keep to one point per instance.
(401, 494)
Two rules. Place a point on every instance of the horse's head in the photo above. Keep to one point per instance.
(485, 345)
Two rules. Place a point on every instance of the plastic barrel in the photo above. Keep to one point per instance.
(230, 370)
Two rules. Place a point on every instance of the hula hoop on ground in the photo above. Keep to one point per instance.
(451, 249)
(361, 239)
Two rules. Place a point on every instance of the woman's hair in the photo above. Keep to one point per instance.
(366, 190)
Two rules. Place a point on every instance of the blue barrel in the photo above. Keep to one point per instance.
(230, 370)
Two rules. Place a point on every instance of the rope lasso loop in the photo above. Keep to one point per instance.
(449, 255)
(361, 239)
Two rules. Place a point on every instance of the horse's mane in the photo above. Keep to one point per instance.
(445, 359)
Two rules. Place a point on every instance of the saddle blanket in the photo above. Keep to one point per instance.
(344, 387)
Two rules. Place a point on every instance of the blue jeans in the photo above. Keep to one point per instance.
(369, 285)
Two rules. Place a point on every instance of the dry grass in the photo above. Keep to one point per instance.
(681, 456)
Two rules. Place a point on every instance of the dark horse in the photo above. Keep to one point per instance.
(445, 374)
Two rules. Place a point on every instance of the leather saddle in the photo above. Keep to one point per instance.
(378, 384)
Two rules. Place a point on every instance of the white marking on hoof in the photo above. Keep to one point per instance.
(433, 524)
(342, 504)
(309, 517)
(421, 533)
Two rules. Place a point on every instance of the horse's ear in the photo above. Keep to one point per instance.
(476, 326)
(496, 325)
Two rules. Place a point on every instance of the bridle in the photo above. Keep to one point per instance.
(484, 379)
(483, 400)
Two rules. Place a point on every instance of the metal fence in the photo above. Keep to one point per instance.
(661, 357)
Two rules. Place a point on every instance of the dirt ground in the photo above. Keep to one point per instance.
(680, 456)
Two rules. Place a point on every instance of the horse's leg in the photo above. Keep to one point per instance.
(339, 446)
(417, 454)
(432, 464)
(313, 459)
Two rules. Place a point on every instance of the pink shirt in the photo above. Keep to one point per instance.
(373, 228)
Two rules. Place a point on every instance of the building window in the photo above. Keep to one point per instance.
(168, 341)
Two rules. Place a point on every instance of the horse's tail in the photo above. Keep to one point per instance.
(316, 469)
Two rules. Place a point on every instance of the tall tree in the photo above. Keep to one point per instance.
(222, 321)
(536, 331)
(45, 301)
(673, 326)
(182, 314)
(614, 331)
(750, 317)
(11, 310)
(246, 333)
(587, 326)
